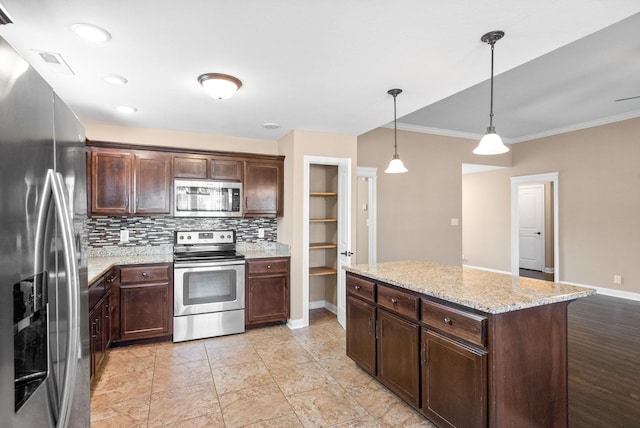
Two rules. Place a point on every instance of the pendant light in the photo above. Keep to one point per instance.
(395, 166)
(491, 143)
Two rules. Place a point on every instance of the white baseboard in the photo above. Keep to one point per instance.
(296, 324)
(487, 269)
(318, 304)
(608, 291)
(548, 270)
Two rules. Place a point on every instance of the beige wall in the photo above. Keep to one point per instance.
(415, 209)
(187, 140)
(295, 146)
(599, 204)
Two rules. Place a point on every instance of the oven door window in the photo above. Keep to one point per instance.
(201, 288)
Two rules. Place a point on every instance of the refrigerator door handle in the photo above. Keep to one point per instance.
(54, 185)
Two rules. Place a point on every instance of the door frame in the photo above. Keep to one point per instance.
(372, 188)
(344, 203)
(515, 220)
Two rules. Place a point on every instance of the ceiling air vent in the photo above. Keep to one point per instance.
(4, 17)
(55, 62)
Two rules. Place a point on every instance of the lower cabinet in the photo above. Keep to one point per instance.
(267, 291)
(146, 301)
(361, 335)
(99, 322)
(428, 353)
(454, 382)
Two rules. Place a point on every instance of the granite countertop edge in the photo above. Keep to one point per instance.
(515, 300)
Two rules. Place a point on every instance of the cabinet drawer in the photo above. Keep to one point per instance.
(398, 301)
(141, 274)
(267, 266)
(361, 287)
(465, 325)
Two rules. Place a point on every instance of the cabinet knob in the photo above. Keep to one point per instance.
(394, 300)
(145, 274)
(357, 287)
(268, 266)
(447, 320)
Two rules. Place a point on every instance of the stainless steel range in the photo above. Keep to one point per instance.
(208, 285)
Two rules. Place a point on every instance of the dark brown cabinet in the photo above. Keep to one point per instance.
(146, 301)
(111, 182)
(267, 291)
(152, 183)
(215, 168)
(100, 316)
(454, 382)
(125, 182)
(263, 187)
(361, 335)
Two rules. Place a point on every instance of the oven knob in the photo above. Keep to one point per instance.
(181, 237)
(228, 236)
(189, 237)
(222, 236)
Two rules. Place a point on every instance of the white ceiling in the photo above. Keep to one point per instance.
(327, 65)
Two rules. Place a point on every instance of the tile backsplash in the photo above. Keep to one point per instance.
(104, 231)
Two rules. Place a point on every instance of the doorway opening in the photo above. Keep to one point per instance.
(535, 227)
(326, 234)
(366, 222)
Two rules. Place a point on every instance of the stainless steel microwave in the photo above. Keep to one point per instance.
(207, 198)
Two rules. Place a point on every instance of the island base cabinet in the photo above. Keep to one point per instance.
(398, 356)
(361, 336)
(454, 382)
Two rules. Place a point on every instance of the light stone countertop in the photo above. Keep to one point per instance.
(488, 292)
(102, 259)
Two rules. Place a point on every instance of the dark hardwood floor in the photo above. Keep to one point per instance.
(536, 274)
(604, 362)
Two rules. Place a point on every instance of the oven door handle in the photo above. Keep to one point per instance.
(206, 265)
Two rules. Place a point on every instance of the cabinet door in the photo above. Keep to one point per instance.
(97, 340)
(268, 299)
(225, 169)
(263, 188)
(111, 181)
(189, 167)
(398, 356)
(144, 311)
(152, 178)
(454, 382)
(361, 335)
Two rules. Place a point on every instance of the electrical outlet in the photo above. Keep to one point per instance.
(124, 236)
(455, 222)
(617, 279)
(261, 233)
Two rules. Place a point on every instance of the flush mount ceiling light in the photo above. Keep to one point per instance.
(126, 109)
(395, 166)
(114, 79)
(219, 86)
(91, 33)
(491, 143)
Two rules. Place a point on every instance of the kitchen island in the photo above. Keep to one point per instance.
(463, 346)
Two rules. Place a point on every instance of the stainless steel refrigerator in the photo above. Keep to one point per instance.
(44, 342)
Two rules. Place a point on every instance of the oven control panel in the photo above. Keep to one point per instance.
(205, 237)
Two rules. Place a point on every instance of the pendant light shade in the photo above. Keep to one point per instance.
(491, 143)
(395, 166)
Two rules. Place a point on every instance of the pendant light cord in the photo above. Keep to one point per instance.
(395, 128)
(491, 102)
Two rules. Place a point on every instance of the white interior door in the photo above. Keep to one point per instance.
(344, 235)
(531, 226)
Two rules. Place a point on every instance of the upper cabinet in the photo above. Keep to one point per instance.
(215, 168)
(263, 187)
(130, 180)
(126, 182)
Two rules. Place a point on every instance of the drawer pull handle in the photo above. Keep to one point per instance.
(144, 274)
(268, 266)
(447, 320)
(394, 300)
(357, 287)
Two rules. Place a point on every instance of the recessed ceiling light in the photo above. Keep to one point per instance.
(114, 79)
(271, 125)
(91, 33)
(126, 109)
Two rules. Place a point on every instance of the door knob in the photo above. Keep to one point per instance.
(347, 253)
(538, 233)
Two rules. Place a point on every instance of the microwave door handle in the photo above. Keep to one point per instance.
(230, 200)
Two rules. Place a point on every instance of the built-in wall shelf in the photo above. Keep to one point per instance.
(322, 270)
(323, 194)
(322, 245)
(323, 220)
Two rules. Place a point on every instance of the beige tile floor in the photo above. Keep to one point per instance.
(267, 377)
